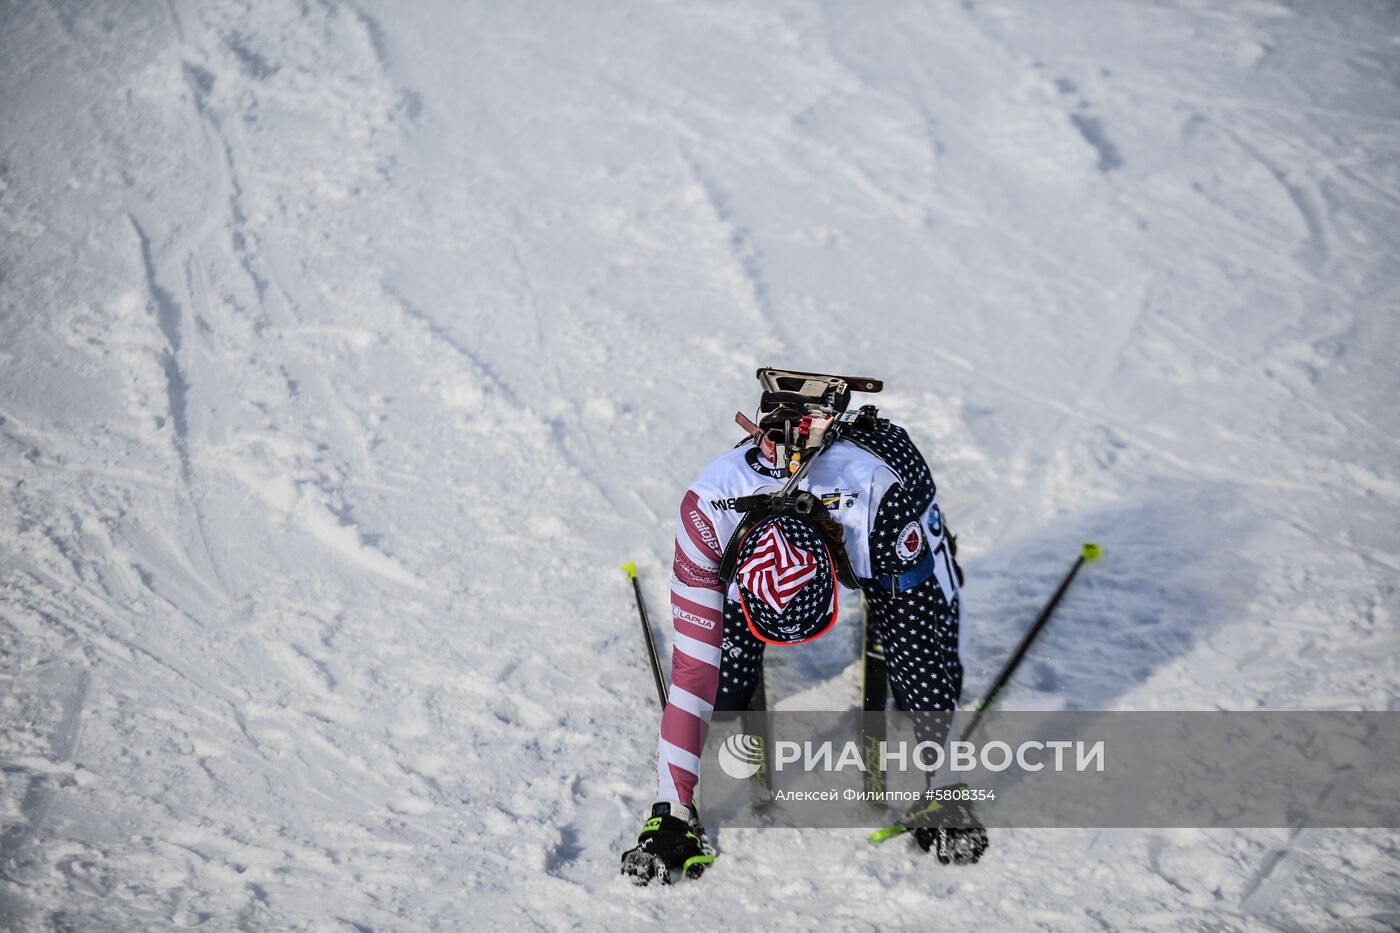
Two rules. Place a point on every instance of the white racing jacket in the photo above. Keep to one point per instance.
(892, 524)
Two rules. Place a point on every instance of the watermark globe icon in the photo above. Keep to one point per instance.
(741, 755)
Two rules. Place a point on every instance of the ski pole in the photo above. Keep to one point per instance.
(631, 569)
(695, 865)
(1090, 553)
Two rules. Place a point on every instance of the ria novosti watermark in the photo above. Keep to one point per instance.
(1208, 769)
(741, 756)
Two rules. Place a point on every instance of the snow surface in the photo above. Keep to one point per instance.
(346, 350)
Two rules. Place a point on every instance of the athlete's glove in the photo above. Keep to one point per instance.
(671, 838)
(953, 846)
(949, 829)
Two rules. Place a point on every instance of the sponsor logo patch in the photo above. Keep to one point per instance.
(684, 616)
(935, 520)
(702, 528)
(839, 499)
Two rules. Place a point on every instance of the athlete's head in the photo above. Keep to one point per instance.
(779, 426)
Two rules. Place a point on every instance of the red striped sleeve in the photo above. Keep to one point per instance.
(684, 608)
(694, 676)
(697, 600)
(697, 526)
(692, 574)
(685, 783)
(683, 729)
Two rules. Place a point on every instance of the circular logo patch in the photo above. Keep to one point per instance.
(754, 459)
(910, 542)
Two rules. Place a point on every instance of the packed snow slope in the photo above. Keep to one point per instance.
(347, 349)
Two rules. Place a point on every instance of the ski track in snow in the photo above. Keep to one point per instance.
(346, 350)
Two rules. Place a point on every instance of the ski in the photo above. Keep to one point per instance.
(1088, 554)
